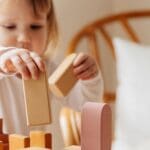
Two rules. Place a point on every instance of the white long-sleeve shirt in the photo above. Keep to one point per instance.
(12, 106)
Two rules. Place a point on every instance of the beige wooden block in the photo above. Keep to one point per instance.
(63, 79)
(40, 139)
(37, 101)
(18, 141)
(72, 148)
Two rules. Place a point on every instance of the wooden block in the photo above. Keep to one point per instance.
(96, 127)
(40, 139)
(1, 125)
(73, 148)
(4, 146)
(37, 101)
(35, 148)
(18, 141)
(4, 138)
(63, 79)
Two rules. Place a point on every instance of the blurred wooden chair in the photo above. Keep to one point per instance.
(69, 120)
(70, 124)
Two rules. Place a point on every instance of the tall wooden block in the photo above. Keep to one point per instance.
(17, 142)
(96, 127)
(63, 79)
(40, 139)
(37, 101)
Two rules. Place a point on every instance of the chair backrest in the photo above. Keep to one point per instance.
(89, 33)
(70, 125)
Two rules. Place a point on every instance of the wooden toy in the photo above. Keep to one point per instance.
(17, 142)
(4, 146)
(63, 79)
(37, 101)
(96, 127)
(1, 125)
(35, 148)
(3, 138)
(40, 139)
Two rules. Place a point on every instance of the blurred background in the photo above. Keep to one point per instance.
(74, 15)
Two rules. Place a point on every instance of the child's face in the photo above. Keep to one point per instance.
(19, 27)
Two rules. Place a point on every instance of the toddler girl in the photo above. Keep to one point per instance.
(26, 28)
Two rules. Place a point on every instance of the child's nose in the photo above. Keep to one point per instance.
(24, 40)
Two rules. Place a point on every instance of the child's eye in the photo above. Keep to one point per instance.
(36, 27)
(9, 27)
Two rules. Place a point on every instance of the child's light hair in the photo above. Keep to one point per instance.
(40, 5)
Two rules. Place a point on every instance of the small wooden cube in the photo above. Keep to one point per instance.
(63, 79)
(37, 101)
(40, 139)
(18, 141)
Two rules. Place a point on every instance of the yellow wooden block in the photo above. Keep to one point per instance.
(73, 148)
(37, 101)
(40, 139)
(18, 141)
(63, 79)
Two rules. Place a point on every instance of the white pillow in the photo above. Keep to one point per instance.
(133, 94)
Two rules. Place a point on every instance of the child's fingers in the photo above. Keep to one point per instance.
(39, 62)
(29, 62)
(20, 66)
(4, 66)
(88, 73)
(81, 57)
(83, 66)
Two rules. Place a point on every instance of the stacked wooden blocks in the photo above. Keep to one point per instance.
(37, 140)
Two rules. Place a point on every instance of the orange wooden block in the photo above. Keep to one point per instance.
(63, 79)
(4, 146)
(17, 142)
(1, 125)
(37, 101)
(73, 148)
(40, 139)
(4, 138)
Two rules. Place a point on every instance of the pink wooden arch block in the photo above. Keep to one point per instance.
(96, 127)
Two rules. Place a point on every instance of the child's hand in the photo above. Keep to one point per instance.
(22, 61)
(85, 67)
